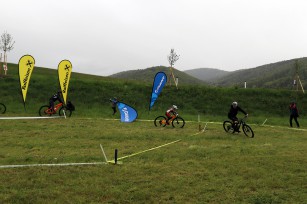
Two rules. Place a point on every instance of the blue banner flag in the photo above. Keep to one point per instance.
(127, 113)
(158, 84)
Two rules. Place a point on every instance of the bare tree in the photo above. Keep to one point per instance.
(6, 44)
(172, 59)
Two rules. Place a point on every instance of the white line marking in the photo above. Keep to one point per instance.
(18, 118)
(41, 165)
(104, 154)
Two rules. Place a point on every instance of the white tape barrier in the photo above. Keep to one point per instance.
(42, 165)
(20, 118)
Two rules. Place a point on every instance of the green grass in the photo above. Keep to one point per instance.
(209, 167)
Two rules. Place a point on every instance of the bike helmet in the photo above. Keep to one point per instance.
(175, 107)
(234, 104)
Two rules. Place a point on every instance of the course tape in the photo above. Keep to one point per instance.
(52, 117)
(41, 165)
(19, 118)
(147, 150)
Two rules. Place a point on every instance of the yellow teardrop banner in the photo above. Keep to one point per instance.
(64, 71)
(26, 66)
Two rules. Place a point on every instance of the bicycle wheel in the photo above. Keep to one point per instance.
(2, 108)
(248, 131)
(178, 122)
(63, 109)
(228, 126)
(160, 121)
(43, 110)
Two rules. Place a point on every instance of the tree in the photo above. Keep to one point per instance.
(172, 59)
(6, 44)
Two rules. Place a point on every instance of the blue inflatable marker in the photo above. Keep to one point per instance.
(158, 84)
(127, 113)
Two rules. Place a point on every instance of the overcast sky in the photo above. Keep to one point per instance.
(103, 37)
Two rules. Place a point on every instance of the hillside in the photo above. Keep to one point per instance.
(278, 75)
(90, 95)
(149, 74)
(207, 74)
(274, 75)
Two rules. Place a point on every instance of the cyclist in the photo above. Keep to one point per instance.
(232, 114)
(54, 98)
(170, 112)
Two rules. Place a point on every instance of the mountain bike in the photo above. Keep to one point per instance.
(229, 127)
(176, 121)
(2, 108)
(46, 110)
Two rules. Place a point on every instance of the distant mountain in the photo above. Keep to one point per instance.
(148, 74)
(274, 75)
(207, 74)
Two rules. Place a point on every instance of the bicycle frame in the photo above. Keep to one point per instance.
(240, 123)
(56, 107)
(231, 127)
(170, 120)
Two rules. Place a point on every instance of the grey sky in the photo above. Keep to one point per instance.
(103, 37)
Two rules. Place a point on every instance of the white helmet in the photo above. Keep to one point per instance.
(234, 104)
(175, 107)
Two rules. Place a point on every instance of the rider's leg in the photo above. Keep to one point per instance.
(51, 104)
(235, 124)
(168, 117)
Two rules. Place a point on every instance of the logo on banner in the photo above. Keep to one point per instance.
(26, 66)
(127, 113)
(64, 72)
(158, 84)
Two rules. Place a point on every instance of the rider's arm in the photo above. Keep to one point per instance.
(240, 109)
(60, 98)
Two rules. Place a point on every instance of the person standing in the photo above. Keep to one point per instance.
(293, 114)
(114, 101)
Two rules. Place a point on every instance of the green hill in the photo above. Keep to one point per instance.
(274, 75)
(278, 75)
(149, 74)
(90, 94)
(207, 74)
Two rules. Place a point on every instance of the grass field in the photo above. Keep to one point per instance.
(207, 167)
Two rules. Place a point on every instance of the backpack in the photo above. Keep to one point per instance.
(70, 106)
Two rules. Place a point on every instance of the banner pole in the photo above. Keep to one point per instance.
(64, 113)
(199, 126)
